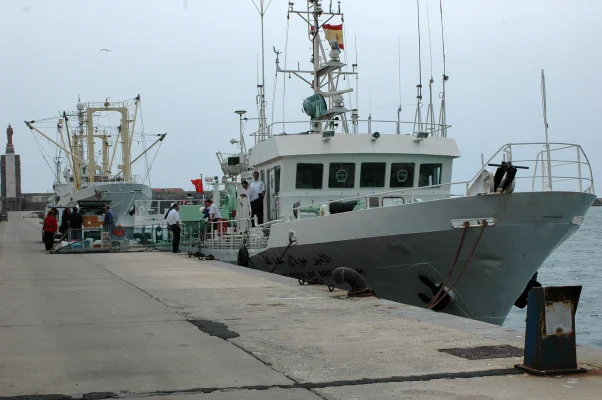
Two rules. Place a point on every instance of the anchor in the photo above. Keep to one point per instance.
(435, 289)
(504, 175)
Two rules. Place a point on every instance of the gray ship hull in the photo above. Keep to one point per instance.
(393, 246)
(121, 196)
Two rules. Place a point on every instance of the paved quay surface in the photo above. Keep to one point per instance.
(158, 325)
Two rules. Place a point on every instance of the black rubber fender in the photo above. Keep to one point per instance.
(243, 256)
(350, 277)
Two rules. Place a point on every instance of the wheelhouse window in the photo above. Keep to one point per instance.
(309, 176)
(430, 174)
(402, 175)
(372, 175)
(341, 175)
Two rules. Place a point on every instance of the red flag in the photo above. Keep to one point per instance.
(198, 185)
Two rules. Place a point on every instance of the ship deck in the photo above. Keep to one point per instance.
(152, 324)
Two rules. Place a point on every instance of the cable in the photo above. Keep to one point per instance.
(42, 151)
(144, 142)
(152, 163)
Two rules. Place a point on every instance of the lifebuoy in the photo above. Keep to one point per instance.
(243, 257)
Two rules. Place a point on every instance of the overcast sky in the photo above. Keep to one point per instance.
(194, 62)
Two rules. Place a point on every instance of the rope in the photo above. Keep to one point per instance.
(474, 248)
(282, 256)
(436, 297)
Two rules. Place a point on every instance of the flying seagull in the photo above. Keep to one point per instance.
(105, 50)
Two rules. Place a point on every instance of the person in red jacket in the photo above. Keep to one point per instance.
(51, 226)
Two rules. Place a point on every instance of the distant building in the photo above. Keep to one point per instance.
(177, 194)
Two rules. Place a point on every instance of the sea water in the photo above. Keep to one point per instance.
(578, 261)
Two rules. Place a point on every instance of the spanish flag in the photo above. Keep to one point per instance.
(334, 32)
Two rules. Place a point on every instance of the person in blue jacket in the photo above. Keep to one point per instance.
(109, 222)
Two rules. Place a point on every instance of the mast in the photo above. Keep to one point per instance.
(418, 129)
(442, 111)
(78, 147)
(326, 106)
(261, 102)
(70, 160)
(105, 154)
(124, 132)
(82, 163)
(57, 157)
(315, 58)
(545, 126)
(91, 167)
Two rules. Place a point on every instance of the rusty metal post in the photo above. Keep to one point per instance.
(550, 347)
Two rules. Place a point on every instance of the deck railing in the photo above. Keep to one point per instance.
(567, 169)
(369, 126)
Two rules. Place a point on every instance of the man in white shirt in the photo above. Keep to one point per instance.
(173, 222)
(252, 195)
(213, 214)
(257, 205)
(250, 191)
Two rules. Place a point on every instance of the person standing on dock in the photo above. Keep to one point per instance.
(76, 224)
(173, 223)
(65, 220)
(170, 208)
(51, 226)
(257, 205)
(109, 222)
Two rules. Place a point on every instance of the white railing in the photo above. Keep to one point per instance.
(380, 199)
(112, 179)
(146, 208)
(232, 238)
(232, 234)
(565, 167)
(560, 177)
(360, 126)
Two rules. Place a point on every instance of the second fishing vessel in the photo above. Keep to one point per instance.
(89, 181)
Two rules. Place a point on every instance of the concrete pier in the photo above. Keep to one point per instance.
(158, 325)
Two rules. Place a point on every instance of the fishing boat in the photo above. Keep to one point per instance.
(343, 193)
(90, 182)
